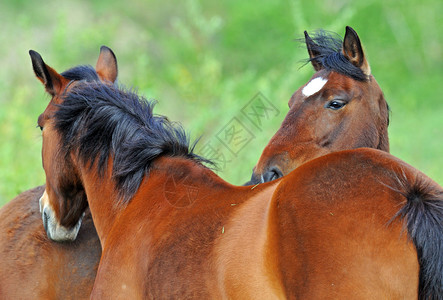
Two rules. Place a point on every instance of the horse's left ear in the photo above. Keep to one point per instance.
(313, 53)
(106, 66)
(54, 83)
(353, 51)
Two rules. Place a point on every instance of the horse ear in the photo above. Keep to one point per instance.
(353, 51)
(53, 82)
(106, 66)
(313, 53)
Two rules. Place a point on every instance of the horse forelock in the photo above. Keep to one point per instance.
(328, 45)
(82, 72)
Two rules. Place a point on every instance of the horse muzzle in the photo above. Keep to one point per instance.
(270, 174)
(55, 231)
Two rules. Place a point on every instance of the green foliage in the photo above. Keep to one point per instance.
(204, 61)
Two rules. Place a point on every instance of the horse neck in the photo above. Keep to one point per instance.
(172, 182)
(384, 142)
(383, 115)
(102, 199)
(383, 136)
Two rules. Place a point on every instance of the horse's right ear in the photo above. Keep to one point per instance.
(53, 82)
(313, 53)
(106, 66)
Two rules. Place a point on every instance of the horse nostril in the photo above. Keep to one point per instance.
(255, 179)
(272, 174)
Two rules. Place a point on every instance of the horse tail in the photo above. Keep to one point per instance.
(423, 215)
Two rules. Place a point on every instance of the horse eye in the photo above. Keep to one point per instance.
(335, 104)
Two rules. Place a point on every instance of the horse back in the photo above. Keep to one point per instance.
(340, 234)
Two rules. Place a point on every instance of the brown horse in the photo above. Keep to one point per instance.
(24, 208)
(34, 267)
(351, 224)
(341, 107)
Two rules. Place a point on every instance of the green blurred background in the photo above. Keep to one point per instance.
(204, 61)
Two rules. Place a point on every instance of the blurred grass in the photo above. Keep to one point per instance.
(203, 62)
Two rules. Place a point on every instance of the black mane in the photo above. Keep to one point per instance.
(99, 120)
(329, 47)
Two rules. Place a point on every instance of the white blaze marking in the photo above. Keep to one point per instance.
(313, 86)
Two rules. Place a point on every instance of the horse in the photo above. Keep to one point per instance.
(351, 224)
(63, 270)
(34, 267)
(25, 208)
(340, 107)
